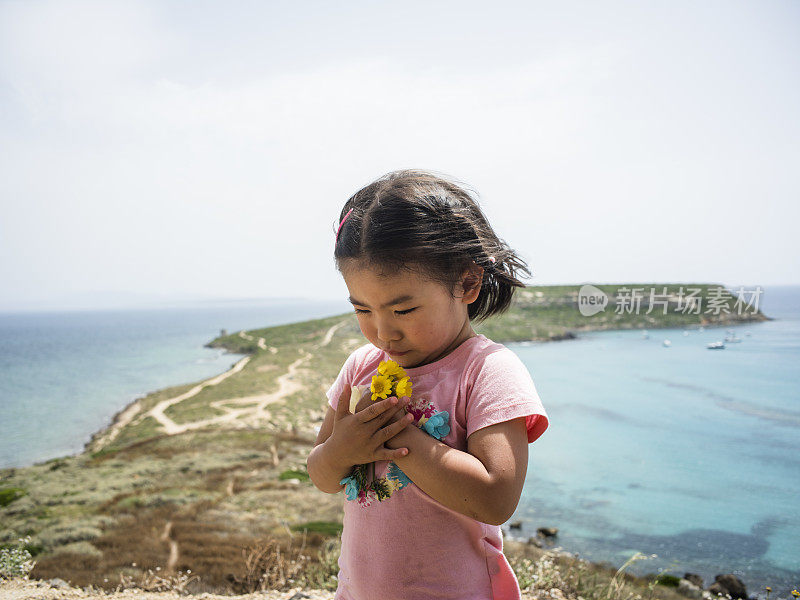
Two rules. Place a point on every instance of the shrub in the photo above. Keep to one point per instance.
(16, 561)
(8, 495)
(324, 527)
(668, 580)
(294, 474)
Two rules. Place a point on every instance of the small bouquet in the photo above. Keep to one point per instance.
(390, 380)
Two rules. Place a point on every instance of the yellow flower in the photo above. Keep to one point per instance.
(795, 593)
(403, 388)
(391, 368)
(381, 386)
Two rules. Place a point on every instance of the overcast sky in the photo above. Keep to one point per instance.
(204, 149)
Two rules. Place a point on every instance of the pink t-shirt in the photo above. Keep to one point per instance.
(408, 545)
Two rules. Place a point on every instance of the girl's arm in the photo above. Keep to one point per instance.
(324, 471)
(484, 483)
(321, 466)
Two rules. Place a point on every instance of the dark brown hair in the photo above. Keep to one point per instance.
(416, 220)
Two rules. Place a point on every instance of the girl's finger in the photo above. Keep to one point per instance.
(343, 406)
(393, 414)
(392, 430)
(387, 454)
(376, 409)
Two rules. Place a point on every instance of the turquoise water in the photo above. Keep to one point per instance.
(63, 375)
(683, 452)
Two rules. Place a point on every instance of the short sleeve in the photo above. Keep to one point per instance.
(346, 375)
(502, 390)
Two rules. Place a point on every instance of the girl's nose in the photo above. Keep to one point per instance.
(386, 332)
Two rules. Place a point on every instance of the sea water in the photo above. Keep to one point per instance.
(684, 452)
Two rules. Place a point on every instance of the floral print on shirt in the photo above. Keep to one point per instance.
(421, 408)
(357, 486)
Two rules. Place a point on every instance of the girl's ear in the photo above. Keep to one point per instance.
(470, 283)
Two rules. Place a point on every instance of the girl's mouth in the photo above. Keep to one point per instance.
(395, 353)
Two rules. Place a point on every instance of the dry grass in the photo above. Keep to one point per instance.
(218, 552)
(309, 561)
(271, 565)
(540, 571)
(158, 582)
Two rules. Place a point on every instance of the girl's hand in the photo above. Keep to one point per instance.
(401, 412)
(400, 415)
(366, 402)
(396, 415)
(358, 438)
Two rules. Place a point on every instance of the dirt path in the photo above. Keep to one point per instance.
(246, 411)
(329, 335)
(254, 413)
(170, 427)
(21, 589)
(119, 423)
(172, 561)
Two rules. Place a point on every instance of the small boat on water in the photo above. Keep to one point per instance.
(666, 343)
(731, 338)
(716, 346)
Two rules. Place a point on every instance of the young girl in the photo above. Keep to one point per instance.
(449, 459)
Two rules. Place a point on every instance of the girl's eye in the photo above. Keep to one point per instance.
(361, 311)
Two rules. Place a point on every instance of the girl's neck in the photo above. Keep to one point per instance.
(463, 335)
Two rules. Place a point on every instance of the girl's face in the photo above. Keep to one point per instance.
(414, 319)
